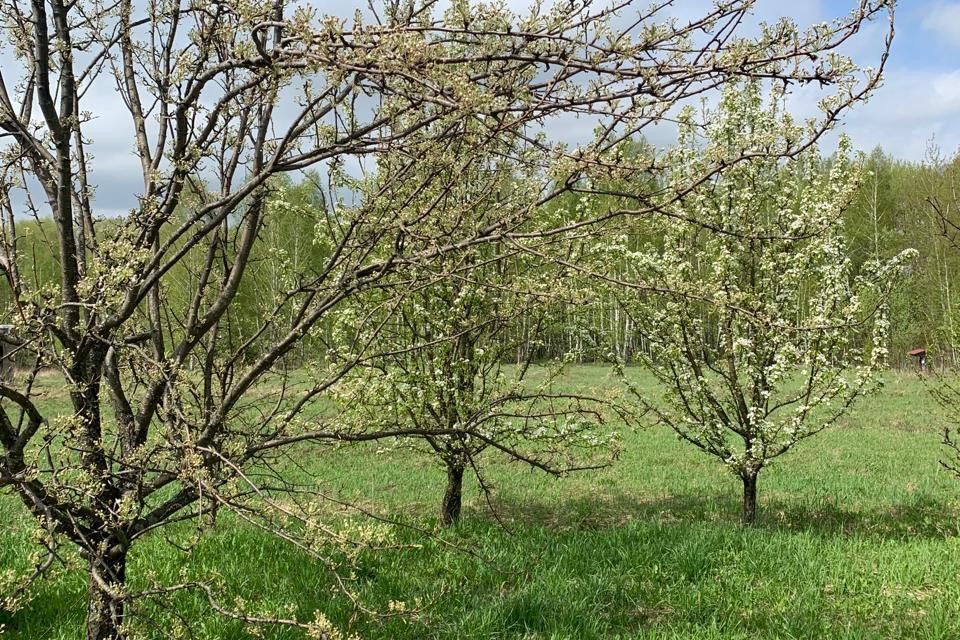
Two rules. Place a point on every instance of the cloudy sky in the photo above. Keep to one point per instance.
(920, 97)
(919, 101)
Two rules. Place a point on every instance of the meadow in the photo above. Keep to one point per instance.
(857, 537)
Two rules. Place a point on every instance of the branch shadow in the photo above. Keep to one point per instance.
(922, 517)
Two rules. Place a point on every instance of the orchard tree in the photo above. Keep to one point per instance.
(433, 356)
(441, 374)
(749, 305)
(169, 407)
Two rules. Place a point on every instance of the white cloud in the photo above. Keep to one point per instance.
(943, 18)
(911, 107)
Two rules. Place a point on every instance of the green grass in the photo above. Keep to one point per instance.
(857, 538)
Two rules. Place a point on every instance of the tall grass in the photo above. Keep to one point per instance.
(857, 538)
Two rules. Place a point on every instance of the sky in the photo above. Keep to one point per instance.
(917, 106)
(919, 101)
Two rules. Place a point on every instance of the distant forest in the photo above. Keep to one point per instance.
(900, 205)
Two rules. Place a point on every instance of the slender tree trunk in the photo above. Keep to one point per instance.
(749, 512)
(453, 496)
(105, 606)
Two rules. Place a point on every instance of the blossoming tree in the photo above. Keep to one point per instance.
(748, 304)
(441, 360)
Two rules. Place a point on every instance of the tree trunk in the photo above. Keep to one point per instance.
(749, 512)
(105, 606)
(453, 496)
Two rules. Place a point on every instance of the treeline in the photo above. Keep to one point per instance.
(904, 205)
(899, 205)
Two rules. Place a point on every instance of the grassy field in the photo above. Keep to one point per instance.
(857, 538)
